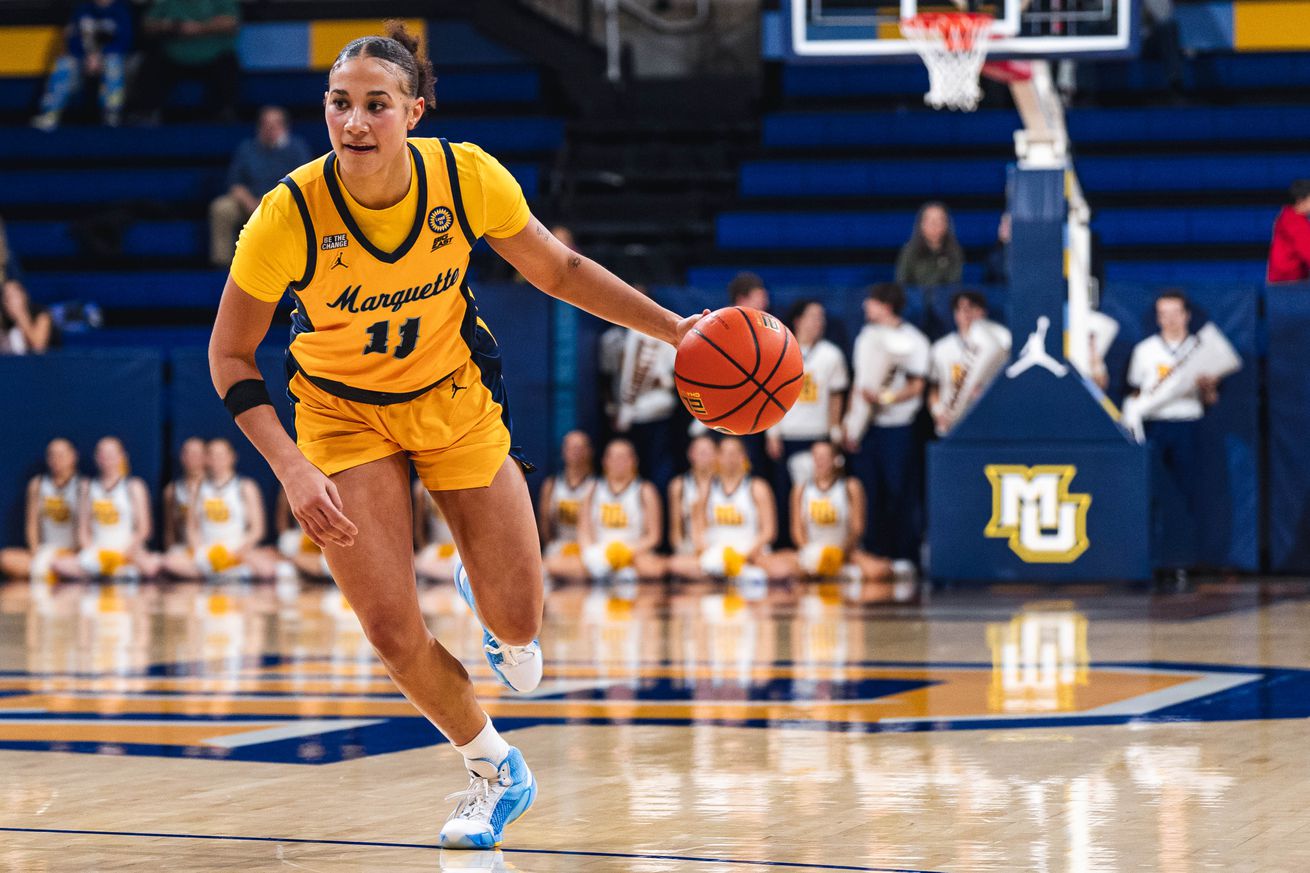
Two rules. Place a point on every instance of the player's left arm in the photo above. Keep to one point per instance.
(653, 519)
(566, 275)
(766, 513)
(255, 523)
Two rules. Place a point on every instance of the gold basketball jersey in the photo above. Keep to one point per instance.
(381, 326)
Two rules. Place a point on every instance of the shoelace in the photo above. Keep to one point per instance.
(475, 800)
(513, 655)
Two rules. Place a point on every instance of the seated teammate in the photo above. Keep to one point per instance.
(686, 490)
(178, 494)
(113, 521)
(225, 524)
(827, 522)
(560, 506)
(434, 544)
(620, 524)
(295, 545)
(51, 515)
(733, 528)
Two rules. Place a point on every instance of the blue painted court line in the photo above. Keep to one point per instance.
(795, 865)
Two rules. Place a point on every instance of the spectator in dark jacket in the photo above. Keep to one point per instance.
(997, 269)
(933, 256)
(1289, 251)
(257, 166)
(97, 42)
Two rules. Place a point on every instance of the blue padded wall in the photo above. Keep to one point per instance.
(82, 395)
(1287, 311)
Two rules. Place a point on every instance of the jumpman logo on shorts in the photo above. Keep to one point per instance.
(339, 263)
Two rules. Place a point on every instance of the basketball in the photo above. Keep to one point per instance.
(739, 370)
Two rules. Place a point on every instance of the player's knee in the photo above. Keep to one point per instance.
(516, 628)
(398, 646)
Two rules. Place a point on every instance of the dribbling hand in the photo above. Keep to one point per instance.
(687, 324)
(317, 505)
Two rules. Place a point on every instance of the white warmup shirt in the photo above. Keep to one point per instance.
(952, 358)
(825, 375)
(1153, 359)
(872, 353)
(57, 511)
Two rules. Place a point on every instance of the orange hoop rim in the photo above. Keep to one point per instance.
(957, 29)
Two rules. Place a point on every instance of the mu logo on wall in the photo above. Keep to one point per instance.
(1034, 510)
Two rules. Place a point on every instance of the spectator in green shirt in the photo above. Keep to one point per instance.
(190, 39)
(933, 256)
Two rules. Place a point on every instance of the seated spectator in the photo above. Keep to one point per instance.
(733, 529)
(257, 166)
(26, 328)
(434, 545)
(191, 40)
(113, 522)
(559, 508)
(621, 524)
(817, 413)
(225, 525)
(827, 522)
(51, 518)
(1289, 251)
(997, 269)
(963, 363)
(688, 489)
(933, 256)
(97, 43)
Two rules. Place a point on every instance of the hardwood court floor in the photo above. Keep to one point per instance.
(231, 728)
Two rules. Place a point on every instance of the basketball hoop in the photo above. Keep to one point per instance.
(953, 46)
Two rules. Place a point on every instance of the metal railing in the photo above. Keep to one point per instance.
(601, 22)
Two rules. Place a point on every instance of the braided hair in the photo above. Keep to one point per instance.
(402, 48)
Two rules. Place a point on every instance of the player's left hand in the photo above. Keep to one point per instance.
(686, 325)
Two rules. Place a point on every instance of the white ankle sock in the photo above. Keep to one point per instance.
(484, 752)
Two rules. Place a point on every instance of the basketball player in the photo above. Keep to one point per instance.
(621, 523)
(51, 515)
(295, 545)
(391, 364)
(560, 506)
(828, 522)
(689, 489)
(113, 521)
(225, 524)
(891, 366)
(435, 553)
(963, 362)
(734, 526)
(817, 412)
(178, 493)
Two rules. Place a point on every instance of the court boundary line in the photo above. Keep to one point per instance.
(430, 847)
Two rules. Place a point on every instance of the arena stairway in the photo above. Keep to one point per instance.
(118, 216)
(1179, 193)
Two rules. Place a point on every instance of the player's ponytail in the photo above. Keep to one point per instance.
(402, 48)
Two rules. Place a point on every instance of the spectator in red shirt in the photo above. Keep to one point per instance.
(1289, 253)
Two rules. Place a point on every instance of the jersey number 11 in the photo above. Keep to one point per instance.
(378, 333)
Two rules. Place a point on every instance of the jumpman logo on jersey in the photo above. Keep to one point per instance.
(339, 263)
(455, 389)
(1033, 353)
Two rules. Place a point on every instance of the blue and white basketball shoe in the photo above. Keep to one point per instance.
(489, 804)
(517, 667)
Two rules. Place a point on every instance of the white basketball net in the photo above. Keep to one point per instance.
(953, 46)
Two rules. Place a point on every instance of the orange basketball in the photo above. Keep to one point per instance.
(739, 370)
